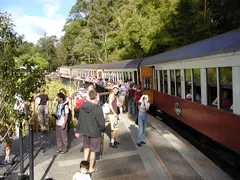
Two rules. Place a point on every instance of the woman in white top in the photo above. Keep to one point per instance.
(142, 119)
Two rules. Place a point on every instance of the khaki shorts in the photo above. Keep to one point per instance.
(113, 122)
(121, 99)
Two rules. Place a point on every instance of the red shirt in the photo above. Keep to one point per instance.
(131, 93)
(226, 103)
(138, 95)
(79, 103)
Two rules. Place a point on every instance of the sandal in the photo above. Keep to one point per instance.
(63, 152)
(94, 170)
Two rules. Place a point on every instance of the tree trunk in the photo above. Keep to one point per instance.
(105, 47)
(205, 9)
(89, 58)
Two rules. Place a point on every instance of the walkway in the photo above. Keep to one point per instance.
(166, 156)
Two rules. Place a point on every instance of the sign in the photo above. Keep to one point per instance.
(177, 109)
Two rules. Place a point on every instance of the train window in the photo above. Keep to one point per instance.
(172, 77)
(188, 84)
(147, 84)
(226, 92)
(212, 85)
(165, 81)
(178, 82)
(130, 76)
(197, 85)
(156, 80)
(161, 81)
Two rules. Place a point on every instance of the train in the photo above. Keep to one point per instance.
(197, 84)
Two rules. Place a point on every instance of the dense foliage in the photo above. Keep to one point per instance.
(22, 70)
(104, 30)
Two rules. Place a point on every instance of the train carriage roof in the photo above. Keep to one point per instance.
(85, 66)
(126, 64)
(224, 43)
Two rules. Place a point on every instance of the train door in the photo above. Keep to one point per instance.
(147, 82)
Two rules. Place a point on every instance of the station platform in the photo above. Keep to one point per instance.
(166, 156)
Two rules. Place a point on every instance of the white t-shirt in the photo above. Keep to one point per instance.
(80, 176)
(61, 114)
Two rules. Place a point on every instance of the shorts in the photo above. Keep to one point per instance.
(113, 122)
(93, 143)
(121, 99)
(76, 113)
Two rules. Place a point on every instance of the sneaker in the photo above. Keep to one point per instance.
(112, 145)
(116, 143)
(139, 144)
(64, 151)
(58, 151)
(143, 142)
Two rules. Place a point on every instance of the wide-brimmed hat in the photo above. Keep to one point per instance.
(116, 86)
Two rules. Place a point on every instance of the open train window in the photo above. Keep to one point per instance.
(173, 77)
(211, 85)
(224, 98)
(197, 85)
(147, 83)
(156, 80)
(178, 82)
(220, 88)
(161, 80)
(188, 84)
(165, 79)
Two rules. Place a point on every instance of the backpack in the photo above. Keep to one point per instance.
(63, 112)
(19, 105)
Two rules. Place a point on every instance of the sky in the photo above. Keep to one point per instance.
(32, 18)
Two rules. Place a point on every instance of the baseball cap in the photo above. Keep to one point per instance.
(116, 86)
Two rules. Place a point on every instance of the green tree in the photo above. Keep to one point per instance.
(9, 41)
(22, 74)
(47, 49)
(106, 30)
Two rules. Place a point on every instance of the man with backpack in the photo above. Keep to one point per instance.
(62, 118)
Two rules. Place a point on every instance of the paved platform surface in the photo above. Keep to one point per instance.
(165, 156)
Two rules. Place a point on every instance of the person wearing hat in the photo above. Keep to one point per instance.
(142, 119)
(113, 115)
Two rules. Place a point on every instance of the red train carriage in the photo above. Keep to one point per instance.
(199, 85)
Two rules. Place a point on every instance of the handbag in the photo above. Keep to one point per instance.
(105, 108)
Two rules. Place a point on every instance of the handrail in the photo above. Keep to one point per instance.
(104, 93)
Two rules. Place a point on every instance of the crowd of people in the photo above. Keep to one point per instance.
(90, 117)
(124, 96)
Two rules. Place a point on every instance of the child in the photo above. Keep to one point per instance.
(82, 175)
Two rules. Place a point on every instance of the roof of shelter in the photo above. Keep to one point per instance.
(126, 64)
(224, 43)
